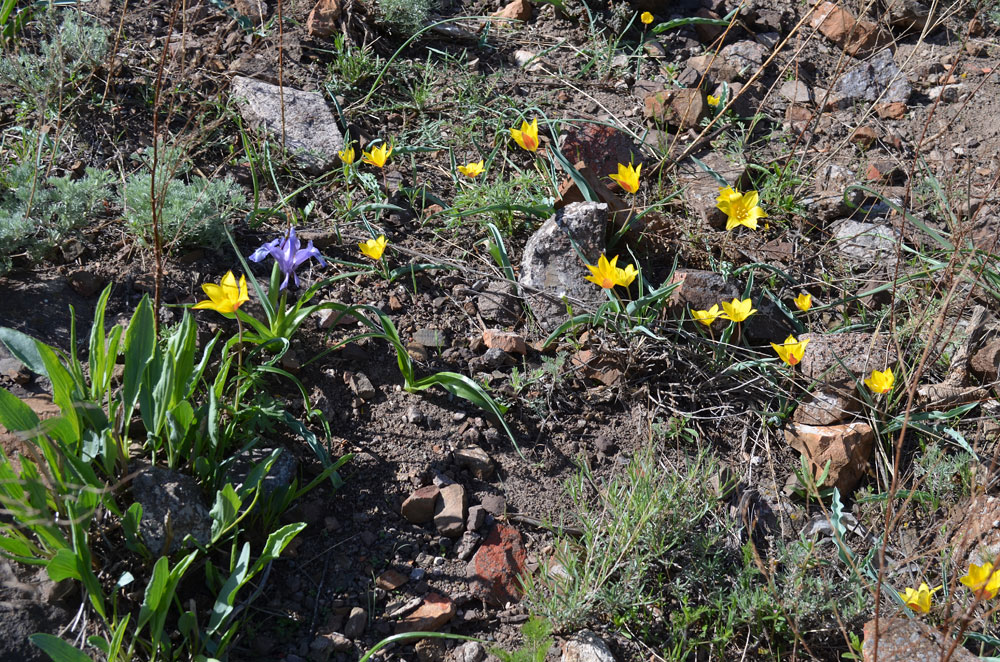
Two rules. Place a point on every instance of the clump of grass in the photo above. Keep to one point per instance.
(191, 212)
(501, 199)
(657, 558)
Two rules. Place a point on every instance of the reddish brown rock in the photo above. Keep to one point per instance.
(419, 506)
(322, 21)
(707, 33)
(885, 172)
(600, 147)
(433, 612)
(601, 366)
(496, 568)
(507, 341)
(390, 580)
(857, 38)
(846, 447)
(86, 283)
(985, 363)
(864, 137)
(891, 111)
(682, 109)
(518, 10)
(909, 640)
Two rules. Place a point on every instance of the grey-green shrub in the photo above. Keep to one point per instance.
(404, 16)
(191, 213)
(36, 215)
(73, 47)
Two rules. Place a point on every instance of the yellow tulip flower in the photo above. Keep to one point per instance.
(605, 273)
(377, 156)
(374, 248)
(919, 600)
(737, 310)
(804, 301)
(880, 382)
(347, 154)
(624, 277)
(713, 101)
(646, 18)
(471, 170)
(527, 135)
(741, 208)
(226, 297)
(706, 317)
(792, 350)
(628, 177)
(984, 580)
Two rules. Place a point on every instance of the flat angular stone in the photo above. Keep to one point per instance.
(879, 80)
(826, 407)
(449, 511)
(431, 615)
(682, 109)
(310, 129)
(507, 341)
(165, 493)
(418, 508)
(497, 566)
(847, 448)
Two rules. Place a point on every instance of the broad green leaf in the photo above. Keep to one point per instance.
(24, 349)
(64, 565)
(154, 591)
(140, 342)
(63, 386)
(15, 414)
(227, 595)
(99, 357)
(58, 650)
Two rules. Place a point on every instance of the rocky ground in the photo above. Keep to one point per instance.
(867, 129)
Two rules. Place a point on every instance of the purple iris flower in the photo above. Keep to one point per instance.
(289, 254)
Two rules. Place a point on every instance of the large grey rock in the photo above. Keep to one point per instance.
(701, 188)
(746, 56)
(586, 646)
(553, 273)
(829, 357)
(167, 493)
(909, 640)
(879, 79)
(281, 474)
(867, 245)
(311, 132)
